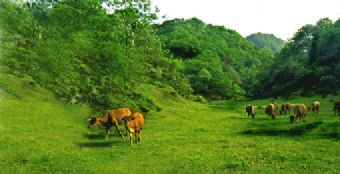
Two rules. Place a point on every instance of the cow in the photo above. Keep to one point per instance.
(315, 107)
(300, 111)
(135, 124)
(109, 119)
(285, 108)
(250, 111)
(275, 106)
(270, 111)
(337, 108)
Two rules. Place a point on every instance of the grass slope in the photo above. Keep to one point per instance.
(39, 134)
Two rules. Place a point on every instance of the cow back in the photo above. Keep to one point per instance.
(301, 110)
(118, 114)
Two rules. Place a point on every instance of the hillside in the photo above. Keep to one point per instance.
(218, 62)
(269, 41)
(40, 134)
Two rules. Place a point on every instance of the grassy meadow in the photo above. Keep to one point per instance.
(39, 134)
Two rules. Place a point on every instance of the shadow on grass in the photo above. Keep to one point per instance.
(101, 135)
(100, 143)
(295, 131)
(94, 136)
(105, 144)
(249, 118)
(331, 131)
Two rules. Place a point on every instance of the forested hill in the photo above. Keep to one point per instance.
(308, 64)
(269, 41)
(219, 62)
(85, 54)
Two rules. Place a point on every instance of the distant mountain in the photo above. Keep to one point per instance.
(270, 41)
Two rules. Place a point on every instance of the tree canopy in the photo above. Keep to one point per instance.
(269, 41)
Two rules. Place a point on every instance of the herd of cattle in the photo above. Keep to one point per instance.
(300, 110)
(133, 122)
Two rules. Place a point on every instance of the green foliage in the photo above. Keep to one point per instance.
(309, 62)
(269, 41)
(218, 62)
(85, 53)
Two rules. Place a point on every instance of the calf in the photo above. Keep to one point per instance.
(270, 111)
(135, 124)
(315, 107)
(337, 108)
(109, 119)
(250, 111)
(300, 111)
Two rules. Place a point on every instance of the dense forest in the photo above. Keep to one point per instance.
(86, 53)
(309, 63)
(219, 62)
(269, 41)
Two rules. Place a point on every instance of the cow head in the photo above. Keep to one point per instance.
(129, 118)
(93, 122)
(292, 119)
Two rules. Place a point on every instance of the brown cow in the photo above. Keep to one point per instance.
(109, 119)
(270, 111)
(135, 123)
(276, 106)
(300, 111)
(250, 111)
(315, 107)
(337, 108)
(285, 108)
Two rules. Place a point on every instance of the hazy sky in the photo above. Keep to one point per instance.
(279, 17)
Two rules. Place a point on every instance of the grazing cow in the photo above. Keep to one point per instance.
(300, 111)
(135, 124)
(270, 111)
(276, 107)
(337, 108)
(109, 119)
(285, 108)
(250, 111)
(315, 107)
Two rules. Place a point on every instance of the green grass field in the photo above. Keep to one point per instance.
(39, 134)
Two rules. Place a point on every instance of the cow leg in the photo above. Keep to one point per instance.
(136, 135)
(139, 135)
(131, 138)
(107, 133)
(118, 130)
